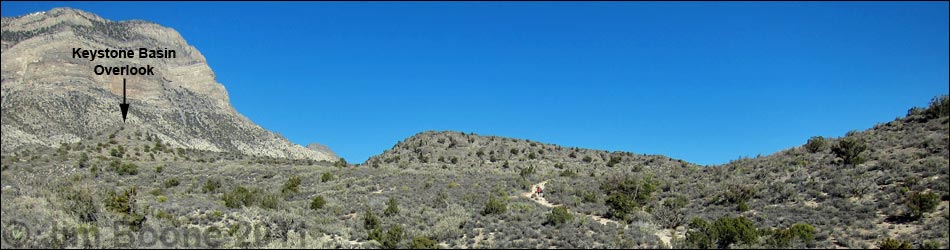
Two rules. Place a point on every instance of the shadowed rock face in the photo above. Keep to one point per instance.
(50, 98)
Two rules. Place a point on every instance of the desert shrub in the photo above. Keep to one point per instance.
(118, 151)
(732, 230)
(568, 173)
(123, 169)
(376, 234)
(614, 160)
(83, 160)
(173, 182)
(526, 172)
(340, 163)
(699, 235)
(671, 213)
(392, 237)
(587, 159)
(326, 177)
(927, 244)
(559, 216)
(849, 149)
(889, 243)
(939, 107)
(121, 202)
(291, 186)
(238, 197)
(495, 206)
(211, 186)
(421, 242)
(370, 221)
(737, 193)
(921, 203)
(625, 195)
(782, 238)
(317, 202)
(269, 201)
(392, 208)
(743, 206)
(80, 203)
(722, 233)
(815, 144)
(803, 231)
(124, 204)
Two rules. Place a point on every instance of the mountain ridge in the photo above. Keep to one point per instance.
(50, 99)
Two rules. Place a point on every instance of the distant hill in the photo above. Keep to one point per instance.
(854, 189)
(455, 150)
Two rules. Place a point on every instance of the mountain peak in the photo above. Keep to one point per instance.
(51, 97)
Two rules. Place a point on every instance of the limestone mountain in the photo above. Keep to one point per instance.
(50, 98)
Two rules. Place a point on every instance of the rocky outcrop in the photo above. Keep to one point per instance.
(49, 97)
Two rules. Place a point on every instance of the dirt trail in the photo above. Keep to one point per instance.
(664, 235)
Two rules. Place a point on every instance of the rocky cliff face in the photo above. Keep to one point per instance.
(49, 97)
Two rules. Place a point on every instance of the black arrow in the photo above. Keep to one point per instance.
(124, 106)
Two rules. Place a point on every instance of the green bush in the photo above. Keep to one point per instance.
(559, 216)
(587, 159)
(422, 242)
(743, 206)
(117, 151)
(700, 234)
(269, 201)
(211, 186)
(370, 221)
(376, 234)
(317, 202)
(173, 182)
(495, 206)
(392, 237)
(291, 186)
(737, 193)
(732, 230)
(803, 231)
(340, 163)
(939, 107)
(124, 204)
(849, 149)
(889, 243)
(568, 173)
(815, 144)
(921, 203)
(782, 238)
(80, 203)
(614, 160)
(83, 160)
(392, 208)
(123, 169)
(722, 233)
(930, 245)
(626, 195)
(326, 177)
(238, 197)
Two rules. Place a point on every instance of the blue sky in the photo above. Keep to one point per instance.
(703, 82)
